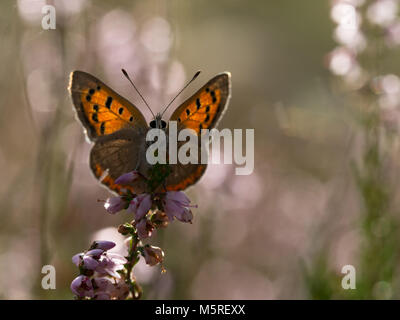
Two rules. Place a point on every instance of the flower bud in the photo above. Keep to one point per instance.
(127, 178)
(160, 219)
(144, 228)
(177, 204)
(103, 245)
(125, 228)
(120, 290)
(82, 287)
(140, 205)
(114, 204)
(153, 255)
(96, 253)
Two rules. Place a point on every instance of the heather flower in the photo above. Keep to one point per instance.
(127, 178)
(106, 289)
(115, 204)
(185, 216)
(140, 205)
(103, 245)
(160, 219)
(102, 264)
(103, 287)
(153, 255)
(88, 260)
(99, 260)
(144, 228)
(110, 264)
(119, 290)
(176, 204)
(82, 287)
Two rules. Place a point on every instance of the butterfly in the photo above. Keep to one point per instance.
(118, 129)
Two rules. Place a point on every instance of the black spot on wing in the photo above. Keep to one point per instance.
(94, 117)
(108, 102)
(214, 98)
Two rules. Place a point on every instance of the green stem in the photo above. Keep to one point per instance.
(133, 259)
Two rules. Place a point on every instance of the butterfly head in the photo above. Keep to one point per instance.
(158, 122)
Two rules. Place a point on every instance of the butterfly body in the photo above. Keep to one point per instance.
(118, 130)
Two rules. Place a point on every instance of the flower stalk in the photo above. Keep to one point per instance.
(106, 275)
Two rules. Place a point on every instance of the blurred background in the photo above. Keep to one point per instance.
(317, 80)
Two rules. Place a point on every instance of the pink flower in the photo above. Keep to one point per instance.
(110, 263)
(102, 265)
(153, 255)
(115, 204)
(120, 290)
(103, 287)
(144, 228)
(106, 289)
(88, 260)
(82, 287)
(140, 205)
(127, 178)
(103, 245)
(101, 261)
(102, 296)
(185, 216)
(176, 204)
(95, 253)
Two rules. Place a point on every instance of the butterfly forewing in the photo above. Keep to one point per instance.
(205, 108)
(100, 109)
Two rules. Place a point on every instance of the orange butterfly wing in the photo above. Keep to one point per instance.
(112, 122)
(203, 110)
(206, 107)
(101, 110)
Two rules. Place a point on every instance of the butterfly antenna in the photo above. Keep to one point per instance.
(127, 76)
(194, 78)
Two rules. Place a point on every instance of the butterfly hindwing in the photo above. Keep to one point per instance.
(183, 176)
(116, 154)
(203, 110)
(100, 109)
